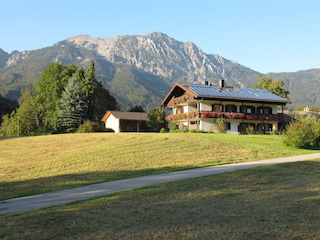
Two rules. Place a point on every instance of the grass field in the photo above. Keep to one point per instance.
(32, 165)
(276, 202)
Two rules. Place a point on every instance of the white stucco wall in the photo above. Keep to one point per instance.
(206, 126)
(113, 123)
(234, 127)
(274, 110)
(204, 107)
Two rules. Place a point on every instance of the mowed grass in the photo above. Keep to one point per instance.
(275, 202)
(31, 165)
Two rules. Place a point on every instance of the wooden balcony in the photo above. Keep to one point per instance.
(226, 115)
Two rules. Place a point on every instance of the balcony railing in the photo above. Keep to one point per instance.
(227, 115)
(181, 116)
(179, 100)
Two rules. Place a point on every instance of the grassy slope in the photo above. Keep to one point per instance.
(45, 163)
(276, 202)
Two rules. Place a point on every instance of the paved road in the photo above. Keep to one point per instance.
(24, 204)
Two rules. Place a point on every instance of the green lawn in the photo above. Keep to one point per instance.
(275, 202)
(39, 164)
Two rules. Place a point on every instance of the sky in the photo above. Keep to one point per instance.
(266, 36)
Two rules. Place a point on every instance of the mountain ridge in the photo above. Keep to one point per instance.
(140, 69)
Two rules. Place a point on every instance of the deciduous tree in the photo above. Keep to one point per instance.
(276, 87)
(27, 115)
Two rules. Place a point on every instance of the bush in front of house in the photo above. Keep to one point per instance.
(304, 133)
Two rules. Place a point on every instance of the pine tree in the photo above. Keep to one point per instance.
(73, 106)
(98, 98)
(89, 85)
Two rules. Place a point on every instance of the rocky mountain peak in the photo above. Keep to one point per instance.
(16, 57)
(159, 54)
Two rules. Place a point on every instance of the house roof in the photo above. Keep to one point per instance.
(224, 93)
(136, 116)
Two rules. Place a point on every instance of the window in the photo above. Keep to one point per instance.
(268, 110)
(264, 128)
(179, 110)
(247, 109)
(231, 108)
(264, 110)
(216, 108)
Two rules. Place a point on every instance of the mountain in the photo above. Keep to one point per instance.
(138, 70)
(303, 86)
(3, 58)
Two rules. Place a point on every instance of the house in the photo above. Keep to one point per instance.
(125, 121)
(215, 108)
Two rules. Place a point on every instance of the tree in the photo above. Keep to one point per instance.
(9, 125)
(73, 106)
(48, 90)
(47, 93)
(156, 119)
(103, 101)
(304, 133)
(98, 98)
(88, 85)
(27, 115)
(275, 87)
(23, 121)
(137, 108)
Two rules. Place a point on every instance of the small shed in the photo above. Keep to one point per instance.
(125, 121)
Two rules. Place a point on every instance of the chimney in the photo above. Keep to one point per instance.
(206, 83)
(221, 83)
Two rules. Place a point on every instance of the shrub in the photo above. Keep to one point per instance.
(89, 126)
(303, 134)
(162, 130)
(250, 130)
(173, 127)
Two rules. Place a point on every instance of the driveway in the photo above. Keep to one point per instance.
(39, 201)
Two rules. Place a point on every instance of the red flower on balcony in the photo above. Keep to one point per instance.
(231, 115)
